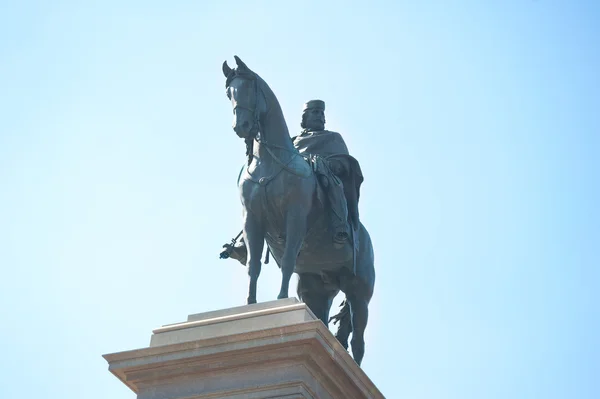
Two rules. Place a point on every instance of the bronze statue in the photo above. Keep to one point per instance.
(289, 190)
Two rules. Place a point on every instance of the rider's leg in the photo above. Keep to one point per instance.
(339, 210)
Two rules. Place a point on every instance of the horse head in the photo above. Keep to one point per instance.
(244, 89)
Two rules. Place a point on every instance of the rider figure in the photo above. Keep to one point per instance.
(330, 146)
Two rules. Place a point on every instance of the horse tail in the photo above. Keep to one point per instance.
(345, 311)
(345, 320)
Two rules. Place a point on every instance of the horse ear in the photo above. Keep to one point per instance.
(239, 62)
(226, 69)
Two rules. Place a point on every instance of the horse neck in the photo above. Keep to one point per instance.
(274, 131)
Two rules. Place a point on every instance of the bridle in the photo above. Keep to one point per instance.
(257, 92)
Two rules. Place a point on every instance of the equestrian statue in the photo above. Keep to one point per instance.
(300, 195)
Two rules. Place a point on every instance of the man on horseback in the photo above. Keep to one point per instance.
(338, 173)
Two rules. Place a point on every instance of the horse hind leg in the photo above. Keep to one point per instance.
(359, 311)
(359, 291)
(316, 295)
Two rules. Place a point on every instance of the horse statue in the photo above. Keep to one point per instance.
(283, 206)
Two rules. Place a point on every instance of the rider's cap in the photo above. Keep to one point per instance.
(314, 104)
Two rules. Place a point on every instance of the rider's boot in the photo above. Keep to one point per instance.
(338, 215)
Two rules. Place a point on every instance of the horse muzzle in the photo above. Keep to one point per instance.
(246, 130)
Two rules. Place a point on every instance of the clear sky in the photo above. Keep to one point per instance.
(476, 123)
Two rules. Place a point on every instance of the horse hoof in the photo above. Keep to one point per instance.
(251, 301)
(282, 296)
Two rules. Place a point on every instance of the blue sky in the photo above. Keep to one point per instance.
(477, 126)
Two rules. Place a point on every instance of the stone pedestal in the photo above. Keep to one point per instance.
(275, 349)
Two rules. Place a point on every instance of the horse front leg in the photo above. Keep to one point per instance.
(254, 237)
(295, 232)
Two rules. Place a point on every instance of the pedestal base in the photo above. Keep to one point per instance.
(275, 349)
